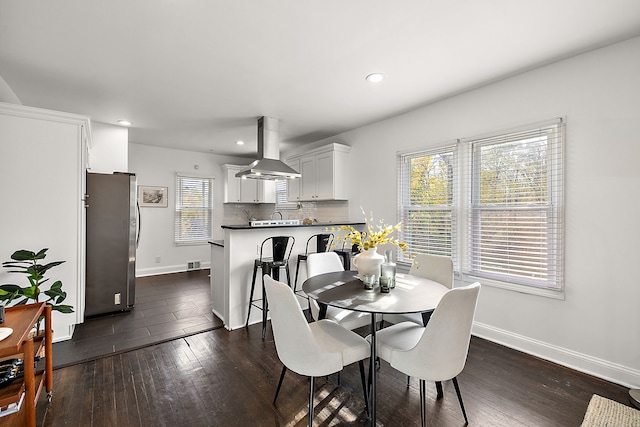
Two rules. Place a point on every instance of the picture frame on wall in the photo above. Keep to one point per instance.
(152, 196)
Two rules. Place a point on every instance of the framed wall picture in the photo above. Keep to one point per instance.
(151, 196)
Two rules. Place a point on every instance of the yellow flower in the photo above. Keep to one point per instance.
(375, 235)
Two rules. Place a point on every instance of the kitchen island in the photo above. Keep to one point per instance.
(232, 266)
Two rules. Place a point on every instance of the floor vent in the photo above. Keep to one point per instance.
(193, 265)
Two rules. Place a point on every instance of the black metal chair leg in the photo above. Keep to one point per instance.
(439, 390)
(284, 371)
(364, 386)
(464, 413)
(286, 269)
(253, 288)
(265, 307)
(311, 390)
(295, 282)
(423, 403)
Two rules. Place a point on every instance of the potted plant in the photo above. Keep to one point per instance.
(28, 263)
(368, 261)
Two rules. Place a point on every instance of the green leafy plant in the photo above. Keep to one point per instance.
(27, 263)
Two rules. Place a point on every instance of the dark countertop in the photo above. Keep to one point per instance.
(217, 243)
(317, 224)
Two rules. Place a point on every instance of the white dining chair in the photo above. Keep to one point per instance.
(434, 267)
(438, 351)
(312, 349)
(329, 262)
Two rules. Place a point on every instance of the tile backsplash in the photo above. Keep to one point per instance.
(324, 211)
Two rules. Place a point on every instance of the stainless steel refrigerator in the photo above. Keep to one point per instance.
(112, 232)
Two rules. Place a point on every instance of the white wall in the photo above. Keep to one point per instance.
(7, 94)
(597, 327)
(41, 168)
(109, 151)
(158, 166)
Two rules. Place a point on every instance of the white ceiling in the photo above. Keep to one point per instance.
(196, 74)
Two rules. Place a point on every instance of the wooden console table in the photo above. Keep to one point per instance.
(21, 345)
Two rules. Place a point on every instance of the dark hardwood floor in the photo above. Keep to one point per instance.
(167, 306)
(223, 378)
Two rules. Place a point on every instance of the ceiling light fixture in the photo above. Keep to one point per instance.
(375, 77)
(124, 122)
(240, 142)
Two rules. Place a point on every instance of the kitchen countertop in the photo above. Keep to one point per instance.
(316, 224)
(217, 243)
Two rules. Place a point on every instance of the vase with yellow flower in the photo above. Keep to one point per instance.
(368, 261)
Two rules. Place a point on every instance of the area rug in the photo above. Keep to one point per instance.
(603, 412)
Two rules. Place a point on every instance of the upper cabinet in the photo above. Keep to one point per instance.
(323, 170)
(238, 190)
(293, 186)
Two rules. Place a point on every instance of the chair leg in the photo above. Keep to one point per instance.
(364, 386)
(464, 413)
(286, 269)
(439, 390)
(284, 371)
(253, 287)
(265, 307)
(423, 403)
(408, 380)
(311, 390)
(295, 282)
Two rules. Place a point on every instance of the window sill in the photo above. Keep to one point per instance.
(198, 243)
(523, 289)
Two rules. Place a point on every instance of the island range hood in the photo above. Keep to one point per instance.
(268, 166)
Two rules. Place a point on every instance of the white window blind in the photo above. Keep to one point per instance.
(516, 207)
(427, 185)
(281, 196)
(194, 213)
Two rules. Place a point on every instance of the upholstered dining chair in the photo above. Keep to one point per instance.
(329, 262)
(438, 351)
(434, 267)
(313, 349)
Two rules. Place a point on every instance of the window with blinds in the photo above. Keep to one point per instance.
(194, 213)
(427, 185)
(281, 196)
(494, 204)
(515, 210)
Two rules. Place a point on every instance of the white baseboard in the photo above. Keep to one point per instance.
(600, 368)
(60, 335)
(167, 269)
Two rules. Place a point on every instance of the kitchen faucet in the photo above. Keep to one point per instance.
(276, 212)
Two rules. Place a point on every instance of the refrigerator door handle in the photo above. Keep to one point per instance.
(139, 222)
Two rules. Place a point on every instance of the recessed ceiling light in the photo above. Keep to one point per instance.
(375, 77)
(240, 142)
(124, 122)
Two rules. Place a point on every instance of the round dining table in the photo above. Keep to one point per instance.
(344, 289)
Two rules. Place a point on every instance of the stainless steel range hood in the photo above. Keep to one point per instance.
(268, 165)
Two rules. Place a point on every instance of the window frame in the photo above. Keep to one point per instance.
(206, 208)
(554, 207)
(462, 209)
(282, 201)
(405, 203)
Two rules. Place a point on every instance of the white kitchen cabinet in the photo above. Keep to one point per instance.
(323, 173)
(238, 190)
(293, 185)
(42, 168)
